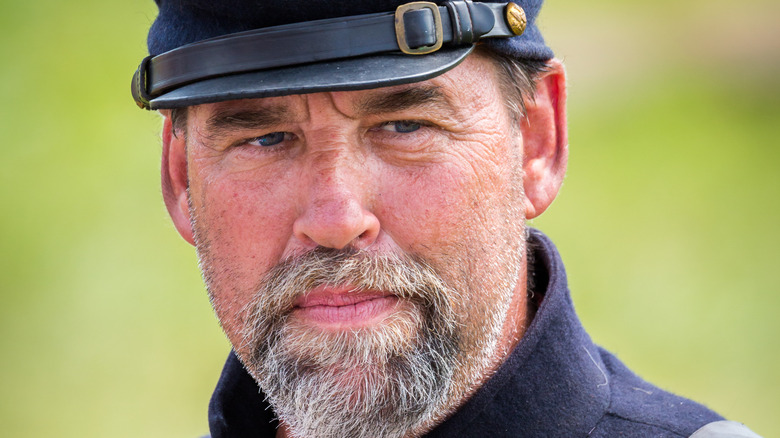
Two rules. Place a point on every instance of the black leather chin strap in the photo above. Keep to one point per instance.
(415, 28)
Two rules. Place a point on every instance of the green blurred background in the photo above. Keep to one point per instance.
(668, 220)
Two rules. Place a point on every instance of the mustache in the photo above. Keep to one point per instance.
(406, 276)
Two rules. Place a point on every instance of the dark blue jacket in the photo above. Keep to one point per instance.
(556, 383)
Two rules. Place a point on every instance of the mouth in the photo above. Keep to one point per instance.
(339, 308)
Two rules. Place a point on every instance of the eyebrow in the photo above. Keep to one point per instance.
(223, 121)
(422, 97)
(227, 120)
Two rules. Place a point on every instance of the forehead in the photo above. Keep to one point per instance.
(460, 88)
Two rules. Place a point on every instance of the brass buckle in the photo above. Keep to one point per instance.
(400, 30)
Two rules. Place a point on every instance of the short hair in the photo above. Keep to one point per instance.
(517, 79)
(179, 121)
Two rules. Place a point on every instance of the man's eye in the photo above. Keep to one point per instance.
(403, 126)
(271, 139)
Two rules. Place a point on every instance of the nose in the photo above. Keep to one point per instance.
(335, 212)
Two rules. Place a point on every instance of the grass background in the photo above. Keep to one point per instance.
(668, 219)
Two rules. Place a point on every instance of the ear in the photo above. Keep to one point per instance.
(174, 178)
(545, 140)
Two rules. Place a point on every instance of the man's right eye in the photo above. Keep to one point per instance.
(271, 139)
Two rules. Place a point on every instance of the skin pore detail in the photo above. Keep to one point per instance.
(380, 189)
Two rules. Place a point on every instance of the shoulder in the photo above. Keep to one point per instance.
(637, 408)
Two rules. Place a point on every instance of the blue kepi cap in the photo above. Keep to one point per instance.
(204, 51)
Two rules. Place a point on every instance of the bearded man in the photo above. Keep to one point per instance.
(355, 177)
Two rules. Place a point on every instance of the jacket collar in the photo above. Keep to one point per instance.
(552, 384)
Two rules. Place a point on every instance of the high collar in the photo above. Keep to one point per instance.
(552, 384)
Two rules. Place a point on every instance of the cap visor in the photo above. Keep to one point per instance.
(340, 75)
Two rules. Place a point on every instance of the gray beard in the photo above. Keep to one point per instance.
(393, 379)
(383, 381)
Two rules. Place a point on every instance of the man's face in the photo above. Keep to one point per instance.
(352, 240)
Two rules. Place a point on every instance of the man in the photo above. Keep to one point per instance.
(355, 177)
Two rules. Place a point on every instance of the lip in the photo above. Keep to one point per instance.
(343, 307)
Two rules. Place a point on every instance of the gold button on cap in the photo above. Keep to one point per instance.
(515, 18)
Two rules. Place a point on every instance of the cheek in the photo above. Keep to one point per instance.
(416, 206)
(241, 226)
(247, 216)
(463, 215)
(441, 206)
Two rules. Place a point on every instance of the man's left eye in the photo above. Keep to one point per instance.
(403, 126)
(271, 139)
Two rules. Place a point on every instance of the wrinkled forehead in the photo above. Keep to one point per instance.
(462, 89)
